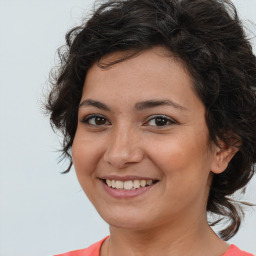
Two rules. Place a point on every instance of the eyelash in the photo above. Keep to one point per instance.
(160, 118)
(87, 119)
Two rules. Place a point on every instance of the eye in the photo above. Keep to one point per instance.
(96, 120)
(160, 120)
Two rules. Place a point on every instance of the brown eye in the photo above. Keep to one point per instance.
(100, 120)
(160, 121)
(96, 120)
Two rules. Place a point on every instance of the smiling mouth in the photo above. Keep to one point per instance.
(128, 184)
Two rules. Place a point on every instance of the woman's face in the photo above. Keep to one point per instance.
(141, 150)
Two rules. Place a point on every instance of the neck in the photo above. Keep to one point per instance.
(166, 239)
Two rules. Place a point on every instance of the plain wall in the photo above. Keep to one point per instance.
(43, 212)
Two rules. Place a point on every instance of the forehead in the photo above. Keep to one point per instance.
(151, 73)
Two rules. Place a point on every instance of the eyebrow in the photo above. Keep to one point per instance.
(156, 103)
(138, 106)
(94, 103)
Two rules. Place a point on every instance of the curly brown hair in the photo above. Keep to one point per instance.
(208, 37)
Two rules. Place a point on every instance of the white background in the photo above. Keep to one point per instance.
(43, 212)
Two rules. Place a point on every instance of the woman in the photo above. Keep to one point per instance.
(156, 99)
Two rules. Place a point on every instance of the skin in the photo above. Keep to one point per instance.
(171, 216)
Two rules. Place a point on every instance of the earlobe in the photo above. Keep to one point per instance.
(222, 156)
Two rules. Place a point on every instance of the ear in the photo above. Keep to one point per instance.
(223, 154)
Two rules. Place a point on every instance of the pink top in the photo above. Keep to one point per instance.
(94, 250)
(234, 251)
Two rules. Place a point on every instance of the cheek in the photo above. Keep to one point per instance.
(185, 169)
(85, 154)
(177, 155)
(169, 150)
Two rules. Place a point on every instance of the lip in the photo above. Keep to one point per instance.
(126, 194)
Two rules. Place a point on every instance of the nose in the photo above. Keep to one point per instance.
(123, 148)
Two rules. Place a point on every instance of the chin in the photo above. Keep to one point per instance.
(123, 221)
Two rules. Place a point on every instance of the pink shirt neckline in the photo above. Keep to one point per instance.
(231, 251)
(94, 250)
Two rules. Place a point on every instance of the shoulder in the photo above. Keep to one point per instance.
(93, 250)
(235, 251)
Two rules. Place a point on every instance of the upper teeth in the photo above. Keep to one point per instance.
(129, 184)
